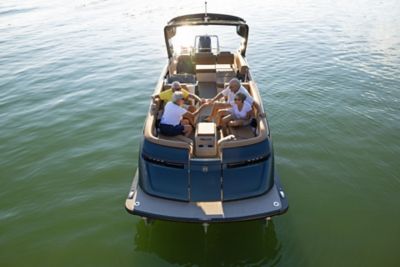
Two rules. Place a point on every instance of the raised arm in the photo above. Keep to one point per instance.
(215, 98)
(198, 99)
(192, 116)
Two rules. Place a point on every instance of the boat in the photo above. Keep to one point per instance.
(210, 176)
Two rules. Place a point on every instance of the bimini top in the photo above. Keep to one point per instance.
(242, 29)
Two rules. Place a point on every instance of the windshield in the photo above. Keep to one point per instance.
(189, 39)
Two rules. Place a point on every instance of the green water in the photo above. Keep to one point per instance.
(75, 82)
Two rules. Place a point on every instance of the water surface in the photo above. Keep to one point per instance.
(75, 80)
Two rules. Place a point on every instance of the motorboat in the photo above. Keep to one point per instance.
(210, 176)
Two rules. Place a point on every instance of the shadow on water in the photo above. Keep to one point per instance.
(230, 244)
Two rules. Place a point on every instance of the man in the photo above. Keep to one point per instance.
(229, 93)
(166, 95)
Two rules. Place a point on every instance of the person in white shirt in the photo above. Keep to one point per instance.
(172, 122)
(166, 96)
(238, 115)
(229, 93)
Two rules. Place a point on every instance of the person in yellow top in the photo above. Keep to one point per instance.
(166, 95)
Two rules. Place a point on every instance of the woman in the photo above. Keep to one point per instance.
(229, 94)
(238, 115)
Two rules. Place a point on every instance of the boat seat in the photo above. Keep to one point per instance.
(185, 64)
(241, 65)
(205, 69)
(241, 132)
(178, 138)
(190, 87)
(182, 78)
(206, 73)
(205, 66)
(247, 86)
(224, 68)
(225, 58)
(205, 58)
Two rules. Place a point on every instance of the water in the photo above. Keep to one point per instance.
(75, 80)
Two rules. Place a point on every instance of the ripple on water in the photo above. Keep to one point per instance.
(76, 80)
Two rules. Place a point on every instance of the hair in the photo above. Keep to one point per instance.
(175, 85)
(234, 81)
(177, 96)
(241, 96)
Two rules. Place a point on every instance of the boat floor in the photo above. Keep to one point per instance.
(266, 205)
(207, 90)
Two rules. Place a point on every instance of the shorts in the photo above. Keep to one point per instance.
(171, 130)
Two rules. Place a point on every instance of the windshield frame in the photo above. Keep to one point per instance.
(242, 29)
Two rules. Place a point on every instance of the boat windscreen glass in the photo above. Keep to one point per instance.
(192, 39)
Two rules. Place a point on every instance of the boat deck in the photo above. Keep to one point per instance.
(145, 205)
(205, 75)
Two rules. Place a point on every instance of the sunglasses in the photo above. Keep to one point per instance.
(238, 99)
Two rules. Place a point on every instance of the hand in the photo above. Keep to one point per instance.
(262, 115)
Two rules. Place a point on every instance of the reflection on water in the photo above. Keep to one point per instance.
(232, 244)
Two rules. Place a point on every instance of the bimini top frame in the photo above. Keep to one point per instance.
(204, 19)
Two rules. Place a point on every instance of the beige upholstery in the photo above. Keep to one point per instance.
(245, 142)
(179, 138)
(241, 132)
(206, 139)
(149, 134)
(205, 69)
(263, 130)
(205, 58)
(247, 86)
(224, 67)
(149, 130)
(184, 64)
(243, 139)
(241, 64)
(225, 58)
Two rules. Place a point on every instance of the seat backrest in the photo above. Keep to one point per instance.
(205, 58)
(182, 78)
(225, 58)
(241, 65)
(247, 86)
(185, 64)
